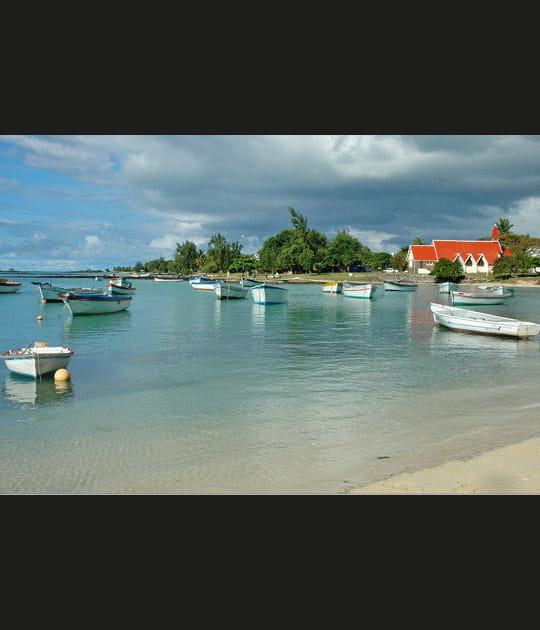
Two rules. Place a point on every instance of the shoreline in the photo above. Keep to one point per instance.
(510, 469)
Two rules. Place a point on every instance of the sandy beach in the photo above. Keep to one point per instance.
(513, 469)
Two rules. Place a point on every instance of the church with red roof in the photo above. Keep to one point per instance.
(474, 256)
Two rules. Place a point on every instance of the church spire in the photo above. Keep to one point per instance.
(495, 233)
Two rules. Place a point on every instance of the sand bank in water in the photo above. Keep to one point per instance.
(513, 469)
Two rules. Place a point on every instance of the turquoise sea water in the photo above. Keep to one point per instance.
(186, 394)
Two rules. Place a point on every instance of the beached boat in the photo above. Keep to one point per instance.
(248, 282)
(475, 321)
(268, 294)
(9, 286)
(391, 285)
(446, 287)
(121, 286)
(463, 298)
(226, 291)
(359, 289)
(37, 360)
(80, 304)
(204, 285)
(51, 293)
(332, 287)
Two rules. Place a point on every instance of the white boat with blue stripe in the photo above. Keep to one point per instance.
(268, 294)
(477, 322)
(81, 304)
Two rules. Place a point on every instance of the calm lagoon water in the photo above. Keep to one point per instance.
(186, 394)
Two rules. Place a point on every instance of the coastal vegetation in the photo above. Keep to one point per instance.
(303, 250)
(299, 249)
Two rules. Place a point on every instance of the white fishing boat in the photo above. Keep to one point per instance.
(496, 288)
(475, 321)
(359, 289)
(446, 287)
(167, 279)
(226, 291)
(248, 282)
(80, 304)
(332, 287)
(268, 294)
(204, 285)
(463, 298)
(37, 360)
(121, 286)
(9, 286)
(400, 285)
(51, 293)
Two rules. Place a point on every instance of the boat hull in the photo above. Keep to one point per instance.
(446, 287)
(116, 289)
(473, 321)
(268, 294)
(332, 287)
(399, 286)
(459, 298)
(246, 282)
(96, 304)
(168, 279)
(358, 290)
(51, 293)
(204, 285)
(37, 361)
(230, 291)
(10, 287)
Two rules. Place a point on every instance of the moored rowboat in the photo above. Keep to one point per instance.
(462, 298)
(268, 294)
(225, 291)
(359, 289)
(51, 293)
(80, 304)
(9, 286)
(121, 286)
(247, 282)
(475, 321)
(332, 287)
(390, 285)
(446, 287)
(37, 360)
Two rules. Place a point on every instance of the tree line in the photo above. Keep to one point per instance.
(304, 250)
(298, 249)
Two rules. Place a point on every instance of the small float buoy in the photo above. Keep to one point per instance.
(62, 375)
(40, 317)
(44, 301)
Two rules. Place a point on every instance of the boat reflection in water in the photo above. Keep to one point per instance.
(21, 391)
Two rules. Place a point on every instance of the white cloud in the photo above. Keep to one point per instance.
(525, 215)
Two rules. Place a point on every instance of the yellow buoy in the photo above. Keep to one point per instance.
(40, 317)
(62, 375)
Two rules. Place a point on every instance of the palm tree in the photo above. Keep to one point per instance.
(504, 226)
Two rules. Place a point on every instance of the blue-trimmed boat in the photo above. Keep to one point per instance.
(268, 294)
(80, 304)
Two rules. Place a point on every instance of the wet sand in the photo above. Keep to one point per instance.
(512, 469)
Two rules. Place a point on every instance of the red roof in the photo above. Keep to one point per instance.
(491, 250)
(424, 252)
(495, 233)
(507, 252)
(450, 249)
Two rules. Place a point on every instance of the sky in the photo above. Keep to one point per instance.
(76, 202)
